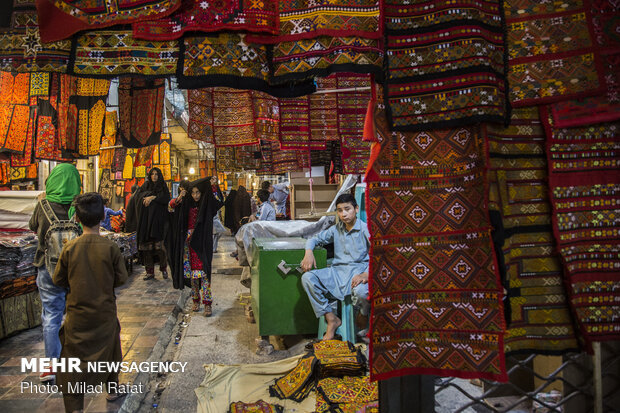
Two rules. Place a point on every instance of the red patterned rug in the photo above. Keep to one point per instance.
(584, 183)
(140, 103)
(436, 295)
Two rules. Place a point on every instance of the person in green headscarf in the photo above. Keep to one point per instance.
(62, 185)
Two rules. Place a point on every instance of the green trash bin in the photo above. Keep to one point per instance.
(279, 302)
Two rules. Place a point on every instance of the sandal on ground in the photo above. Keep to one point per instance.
(208, 310)
(196, 307)
(148, 277)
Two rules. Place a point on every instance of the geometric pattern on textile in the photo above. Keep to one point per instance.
(140, 111)
(351, 110)
(551, 52)
(448, 73)
(109, 53)
(295, 125)
(266, 158)
(539, 317)
(297, 383)
(283, 160)
(248, 156)
(21, 49)
(14, 111)
(222, 116)
(584, 181)
(324, 112)
(226, 160)
(318, 57)
(348, 393)
(307, 19)
(108, 139)
(228, 60)
(338, 358)
(256, 407)
(435, 290)
(266, 116)
(200, 15)
(59, 19)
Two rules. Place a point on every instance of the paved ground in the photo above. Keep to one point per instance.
(157, 325)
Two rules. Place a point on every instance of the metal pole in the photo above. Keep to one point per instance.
(598, 378)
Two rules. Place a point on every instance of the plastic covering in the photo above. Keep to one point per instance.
(281, 229)
(16, 207)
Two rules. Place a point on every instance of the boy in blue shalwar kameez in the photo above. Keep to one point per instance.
(348, 274)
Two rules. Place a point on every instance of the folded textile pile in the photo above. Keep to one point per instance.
(338, 358)
(347, 394)
(17, 251)
(298, 383)
(259, 406)
(126, 241)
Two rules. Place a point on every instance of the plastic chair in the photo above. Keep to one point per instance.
(347, 328)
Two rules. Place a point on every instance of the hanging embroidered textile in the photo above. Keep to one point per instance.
(128, 167)
(551, 51)
(222, 116)
(445, 65)
(141, 103)
(539, 318)
(298, 383)
(106, 185)
(266, 116)
(266, 158)
(59, 19)
(155, 156)
(26, 158)
(249, 157)
(118, 161)
(110, 53)
(584, 183)
(143, 156)
(164, 149)
(436, 295)
(81, 114)
(324, 111)
(307, 58)
(108, 139)
(5, 173)
(228, 60)
(256, 407)
(295, 125)
(348, 394)
(283, 160)
(225, 159)
(200, 15)
(14, 111)
(351, 110)
(21, 49)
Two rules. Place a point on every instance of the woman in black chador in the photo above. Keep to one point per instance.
(152, 206)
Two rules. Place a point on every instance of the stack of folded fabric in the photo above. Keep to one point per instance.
(338, 358)
(298, 383)
(347, 394)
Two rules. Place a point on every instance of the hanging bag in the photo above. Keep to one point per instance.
(59, 233)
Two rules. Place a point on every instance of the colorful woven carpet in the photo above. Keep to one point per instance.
(539, 318)
(110, 53)
(59, 19)
(584, 183)
(445, 64)
(21, 49)
(227, 60)
(303, 59)
(208, 16)
(140, 104)
(436, 294)
(551, 53)
(308, 19)
(222, 116)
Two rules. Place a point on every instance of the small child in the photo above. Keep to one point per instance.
(266, 211)
(109, 212)
(90, 266)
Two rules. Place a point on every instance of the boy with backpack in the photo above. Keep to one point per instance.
(90, 267)
(51, 221)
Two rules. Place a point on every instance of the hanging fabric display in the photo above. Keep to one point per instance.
(21, 48)
(266, 116)
(141, 103)
(108, 139)
(110, 53)
(196, 15)
(59, 19)
(436, 294)
(445, 65)
(539, 318)
(48, 138)
(584, 185)
(14, 111)
(352, 107)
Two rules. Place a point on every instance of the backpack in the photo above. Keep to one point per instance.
(59, 233)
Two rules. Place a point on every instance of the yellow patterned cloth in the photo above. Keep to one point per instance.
(259, 406)
(128, 167)
(338, 358)
(347, 395)
(297, 384)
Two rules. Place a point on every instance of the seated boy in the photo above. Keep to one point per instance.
(90, 266)
(348, 274)
(266, 211)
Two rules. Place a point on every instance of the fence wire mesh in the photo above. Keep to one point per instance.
(539, 384)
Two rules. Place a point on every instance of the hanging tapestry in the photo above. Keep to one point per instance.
(59, 19)
(249, 157)
(308, 19)
(155, 156)
(584, 183)
(199, 15)
(323, 108)
(298, 383)
(26, 158)
(307, 58)
(266, 116)
(141, 103)
(106, 185)
(164, 149)
(436, 295)
(110, 53)
(143, 156)
(5, 173)
(225, 159)
(266, 158)
(14, 111)
(348, 394)
(445, 66)
(295, 124)
(128, 167)
(351, 110)
(108, 139)
(231, 120)
(227, 60)
(21, 49)
(118, 161)
(539, 318)
(283, 160)
(256, 407)
(330, 158)
(551, 51)
(47, 139)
